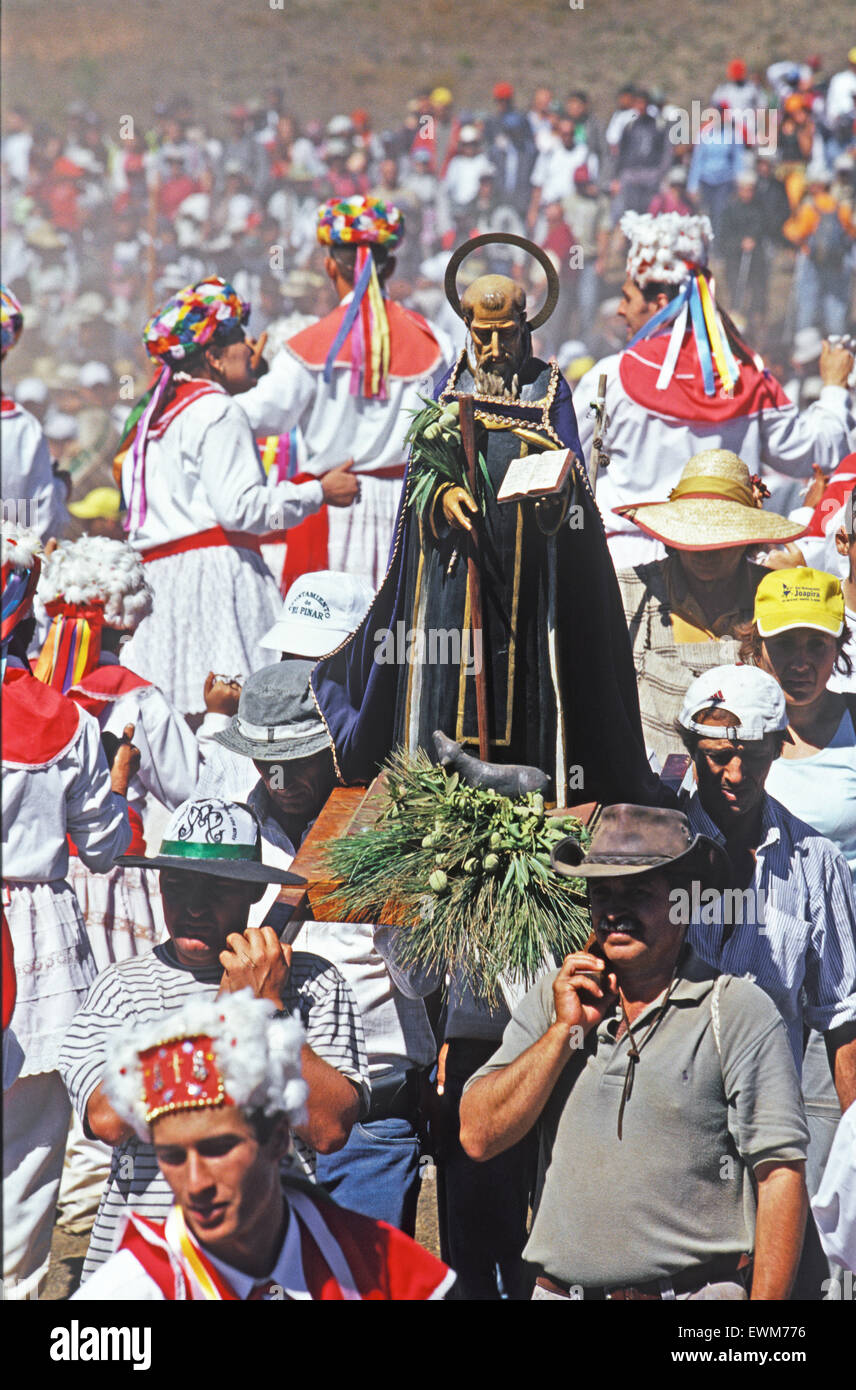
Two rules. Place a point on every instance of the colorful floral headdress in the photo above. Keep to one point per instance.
(21, 567)
(363, 223)
(182, 328)
(11, 320)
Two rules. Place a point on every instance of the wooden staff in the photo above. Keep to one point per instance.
(468, 436)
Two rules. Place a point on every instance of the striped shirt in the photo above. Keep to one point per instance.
(794, 930)
(140, 990)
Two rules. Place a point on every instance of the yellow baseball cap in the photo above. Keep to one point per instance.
(803, 597)
(441, 96)
(101, 502)
(851, 56)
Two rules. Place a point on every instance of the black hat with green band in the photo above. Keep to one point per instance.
(208, 836)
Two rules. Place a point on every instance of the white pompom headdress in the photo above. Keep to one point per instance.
(664, 249)
(209, 1053)
(671, 249)
(87, 585)
(96, 569)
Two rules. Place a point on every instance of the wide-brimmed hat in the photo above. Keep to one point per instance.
(713, 507)
(639, 839)
(277, 718)
(206, 835)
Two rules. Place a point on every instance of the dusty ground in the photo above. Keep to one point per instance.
(374, 53)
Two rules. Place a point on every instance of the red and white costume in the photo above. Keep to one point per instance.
(686, 382)
(207, 502)
(328, 1254)
(55, 783)
(336, 425)
(28, 476)
(650, 433)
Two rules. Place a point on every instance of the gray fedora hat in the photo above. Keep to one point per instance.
(638, 839)
(207, 835)
(277, 719)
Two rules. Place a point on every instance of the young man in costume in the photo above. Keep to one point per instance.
(686, 381)
(198, 499)
(531, 557)
(349, 382)
(28, 475)
(211, 873)
(216, 1088)
(56, 784)
(641, 1070)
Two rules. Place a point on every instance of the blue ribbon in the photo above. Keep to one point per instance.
(702, 342)
(350, 317)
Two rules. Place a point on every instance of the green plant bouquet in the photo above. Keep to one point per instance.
(467, 874)
(437, 454)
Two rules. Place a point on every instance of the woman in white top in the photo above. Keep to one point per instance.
(198, 499)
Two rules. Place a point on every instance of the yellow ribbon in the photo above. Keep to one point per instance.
(714, 335)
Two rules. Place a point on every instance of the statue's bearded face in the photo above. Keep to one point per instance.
(494, 310)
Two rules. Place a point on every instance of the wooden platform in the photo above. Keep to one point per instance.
(348, 811)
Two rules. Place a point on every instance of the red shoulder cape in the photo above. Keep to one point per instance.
(684, 398)
(38, 722)
(414, 351)
(103, 685)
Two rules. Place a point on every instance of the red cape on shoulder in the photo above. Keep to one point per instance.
(414, 351)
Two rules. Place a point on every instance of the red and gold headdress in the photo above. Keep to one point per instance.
(230, 1051)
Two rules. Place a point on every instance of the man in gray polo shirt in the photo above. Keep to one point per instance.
(664, 1096)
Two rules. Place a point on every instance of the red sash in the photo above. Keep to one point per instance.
(202, 540)
(307, 545)
(39, 723)
(9, 407)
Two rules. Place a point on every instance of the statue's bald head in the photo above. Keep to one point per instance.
(494, 310)
(494, 300)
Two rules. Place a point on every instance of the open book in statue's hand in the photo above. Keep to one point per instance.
(536, 476)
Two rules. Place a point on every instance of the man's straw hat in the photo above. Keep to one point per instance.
(714, 506)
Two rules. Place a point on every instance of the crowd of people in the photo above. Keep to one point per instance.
(202, 547)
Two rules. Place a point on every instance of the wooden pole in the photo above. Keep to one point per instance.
(468, 436)
(598, 458)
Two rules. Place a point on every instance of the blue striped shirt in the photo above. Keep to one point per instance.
(799, 942)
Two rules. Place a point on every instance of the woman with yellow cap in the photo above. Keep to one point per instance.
(799, 636)
(684, 612)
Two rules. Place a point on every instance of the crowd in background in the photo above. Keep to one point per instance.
(103, 224)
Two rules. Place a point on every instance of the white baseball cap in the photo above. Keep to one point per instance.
(754, 697)
(319, 612)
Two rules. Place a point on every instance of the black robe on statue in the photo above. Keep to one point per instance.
(373, 698)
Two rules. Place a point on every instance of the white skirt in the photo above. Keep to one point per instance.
(360, 536)
(211, 607)
(122, 910)
(54, 967)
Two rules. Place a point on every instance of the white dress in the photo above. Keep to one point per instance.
(55, 782)
(211, 604)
